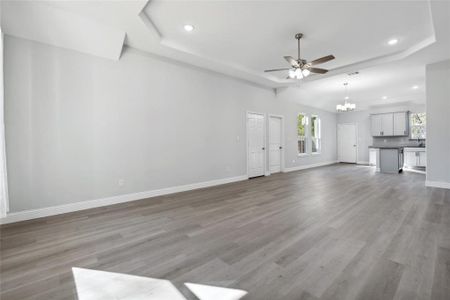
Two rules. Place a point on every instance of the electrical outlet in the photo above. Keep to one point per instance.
(121, 182)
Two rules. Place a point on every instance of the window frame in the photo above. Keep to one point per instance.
(317, 139)
(305, 136)
(411, 126)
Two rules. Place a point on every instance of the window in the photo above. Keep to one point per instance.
(418, 124)
(302, 123)
(315, 134)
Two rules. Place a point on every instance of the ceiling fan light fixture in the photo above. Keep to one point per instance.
(292, 73)
(306, 72)
(392, 42)
(295, 73)
(188, 27)
(301, 68)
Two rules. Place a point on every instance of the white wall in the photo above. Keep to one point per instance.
(362, 119)
(438, 124)
(77, 124)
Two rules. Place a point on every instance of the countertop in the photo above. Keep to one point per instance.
(395, 147)
(387, 147)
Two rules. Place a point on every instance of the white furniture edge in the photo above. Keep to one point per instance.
(438, 184)
(82, 205)
(303, 167)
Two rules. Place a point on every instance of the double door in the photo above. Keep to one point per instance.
(256, 139)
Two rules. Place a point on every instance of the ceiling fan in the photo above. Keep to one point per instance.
(301, 68)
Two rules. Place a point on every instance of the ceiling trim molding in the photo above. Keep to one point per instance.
(188, 56)
(167, 59)
(40, 22)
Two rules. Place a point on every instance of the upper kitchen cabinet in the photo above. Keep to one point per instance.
(400, 123)
(389, 124)
(376, 128)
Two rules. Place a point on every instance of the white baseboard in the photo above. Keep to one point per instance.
(438, 184)
(82, 205)
(362, 162)
(414, 170)
(303, 167)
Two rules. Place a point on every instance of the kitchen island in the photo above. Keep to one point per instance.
(388, 159)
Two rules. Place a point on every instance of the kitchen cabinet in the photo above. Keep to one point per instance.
(391, 160)
(376, 128)
(389, 124)
(422, 159)
(374, 158)
(410, 158)
(415, 157)
(400, 123)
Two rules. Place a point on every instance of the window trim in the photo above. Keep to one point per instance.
(411, 126)
(307, 152)
(318, 138)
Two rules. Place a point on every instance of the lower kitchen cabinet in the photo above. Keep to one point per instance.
(415, 157)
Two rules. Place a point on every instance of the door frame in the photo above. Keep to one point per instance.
(281, 117)
(356, 139)
(264, 143)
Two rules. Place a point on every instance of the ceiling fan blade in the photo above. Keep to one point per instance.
(274, 70)
(318, 70)
(292, 61)
(322, 60)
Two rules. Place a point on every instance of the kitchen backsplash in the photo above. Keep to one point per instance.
(395, 141)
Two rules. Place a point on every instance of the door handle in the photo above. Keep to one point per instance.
(281, 147)
(263, 148)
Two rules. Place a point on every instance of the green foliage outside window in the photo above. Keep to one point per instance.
(418, 122)
(301, 124)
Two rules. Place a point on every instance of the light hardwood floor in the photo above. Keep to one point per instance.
(336, 232)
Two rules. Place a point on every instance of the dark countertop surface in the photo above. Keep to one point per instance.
(387, 147)
(395, 147)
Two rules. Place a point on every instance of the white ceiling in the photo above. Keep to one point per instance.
(256, 35)
(242, 38)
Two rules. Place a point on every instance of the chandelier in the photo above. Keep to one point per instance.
(347, 106)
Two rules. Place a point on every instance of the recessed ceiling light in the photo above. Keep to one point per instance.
(415, 87)
(188, 27)
(384, 97)
(392, 42)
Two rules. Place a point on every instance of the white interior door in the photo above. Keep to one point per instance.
(347, 143)
(275, 144)
(256, 144)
